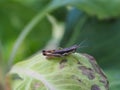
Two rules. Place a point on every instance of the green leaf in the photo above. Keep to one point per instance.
(102, 37)
(102, 40)
(26, 31)
(73, 72)
(34, 4)
(57, 14)
(14, 16)
(103, 9)
(73, 27)
(113, 76)
(84, 5)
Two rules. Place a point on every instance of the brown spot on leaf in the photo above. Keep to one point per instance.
(63, 63)
(95, 87)
(98, 70)
(103, 81)
(88, 72)
(76, 78)
(106, 83)
(1, 87)
(79, 62)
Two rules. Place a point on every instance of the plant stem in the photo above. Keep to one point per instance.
(24, 33)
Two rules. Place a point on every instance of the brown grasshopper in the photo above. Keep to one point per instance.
(60, 52)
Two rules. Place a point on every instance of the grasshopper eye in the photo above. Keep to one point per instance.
(43, 51)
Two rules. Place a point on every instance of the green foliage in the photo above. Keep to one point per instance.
(99, 8)
(14, 16)
(25, 29)
(101, 37)
(114, 79)
(73, 72)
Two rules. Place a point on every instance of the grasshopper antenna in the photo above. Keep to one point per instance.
(82, 44)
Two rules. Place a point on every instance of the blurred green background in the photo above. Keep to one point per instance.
(28, 26)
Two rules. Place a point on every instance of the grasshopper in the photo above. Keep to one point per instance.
(60, 52)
